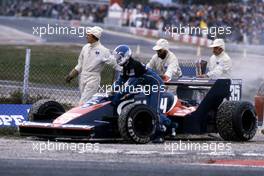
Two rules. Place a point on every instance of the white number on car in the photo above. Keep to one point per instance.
(235, 92)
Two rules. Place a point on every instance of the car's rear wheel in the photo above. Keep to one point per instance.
(236, 121)
(137, 123)
(45, 111)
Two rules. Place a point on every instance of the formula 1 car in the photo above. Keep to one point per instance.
(135, 121)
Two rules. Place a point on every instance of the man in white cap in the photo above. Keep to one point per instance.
(220, 64)
(164, 62)
(91, 60)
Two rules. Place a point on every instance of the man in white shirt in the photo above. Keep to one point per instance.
(220, 64)
(91, 60)
(164, 62)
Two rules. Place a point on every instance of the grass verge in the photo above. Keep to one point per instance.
(49, 64)
(9, 131)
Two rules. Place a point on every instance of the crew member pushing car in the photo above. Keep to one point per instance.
(164, 62)
(220, 64)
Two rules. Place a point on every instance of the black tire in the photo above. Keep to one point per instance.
(45, 111)
(137, 123)
(236, 121)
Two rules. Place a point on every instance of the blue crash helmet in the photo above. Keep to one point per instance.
(122, 53)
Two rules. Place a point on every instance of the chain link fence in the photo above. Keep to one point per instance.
(47, 71)
(188, 67)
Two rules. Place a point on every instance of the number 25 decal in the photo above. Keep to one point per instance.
(235, 93)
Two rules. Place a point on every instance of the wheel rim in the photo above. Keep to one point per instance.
(248, 121)
(143, 124)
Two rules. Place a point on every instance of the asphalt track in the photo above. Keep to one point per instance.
(32, 167)
(27, 27)
(29, 156)
(109, 39)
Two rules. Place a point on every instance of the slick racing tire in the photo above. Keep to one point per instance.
(45, 111)
(236, 121)
(137, 123)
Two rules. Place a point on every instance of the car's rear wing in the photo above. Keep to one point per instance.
(203, 84)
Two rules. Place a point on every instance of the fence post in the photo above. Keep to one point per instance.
(26, 76)
(245, 42)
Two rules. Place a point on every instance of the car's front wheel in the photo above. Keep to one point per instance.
(137, 123)
(45, 111)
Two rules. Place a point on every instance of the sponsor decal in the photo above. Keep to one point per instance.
(12, 115)
(97, 52)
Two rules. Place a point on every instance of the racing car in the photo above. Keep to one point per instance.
(218, 111)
